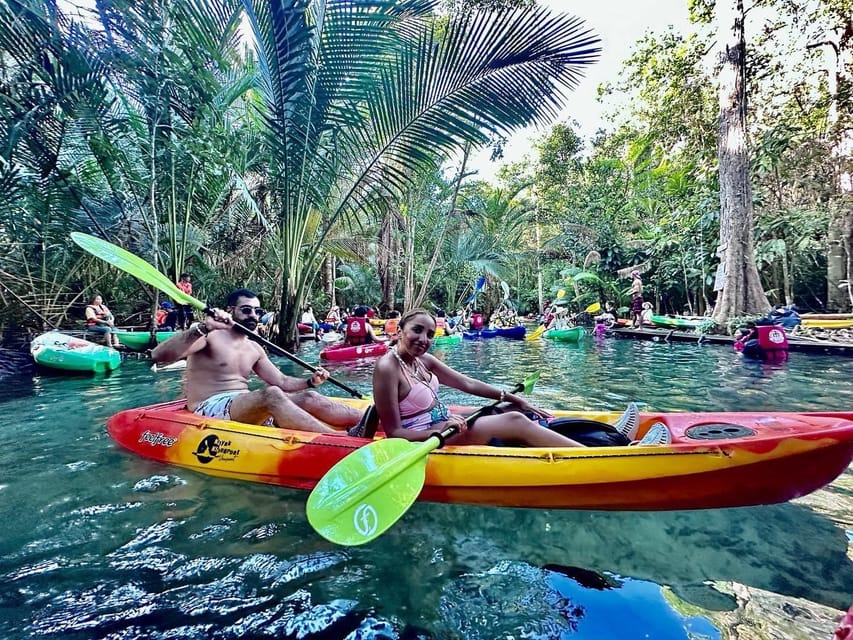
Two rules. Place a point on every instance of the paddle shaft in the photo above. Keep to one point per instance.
(271, 346)
(138, 268)
(376, 484)
(452, 430)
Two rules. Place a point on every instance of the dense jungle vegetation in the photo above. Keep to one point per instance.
(318, 151)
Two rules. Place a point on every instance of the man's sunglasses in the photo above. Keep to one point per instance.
(246, 310)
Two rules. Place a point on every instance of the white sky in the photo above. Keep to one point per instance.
(619, 24)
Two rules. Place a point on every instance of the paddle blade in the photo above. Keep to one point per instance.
(481, 282)
(537, 333)
(530, 381)
(368, 491)
(561, 293)
(595, 307)
(134, 265)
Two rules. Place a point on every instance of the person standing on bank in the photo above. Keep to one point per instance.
(185, 311)
(636, 300)
(220, 360)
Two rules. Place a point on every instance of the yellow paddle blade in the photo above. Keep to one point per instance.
(595, 307)
(537, 333)
(561, 293)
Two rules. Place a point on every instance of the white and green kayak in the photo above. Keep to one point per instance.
(60, 351)
(141, 340)
(675, 322)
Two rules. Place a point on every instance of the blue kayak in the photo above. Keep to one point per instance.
(513, 333)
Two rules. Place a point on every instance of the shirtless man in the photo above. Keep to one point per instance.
(220, 360)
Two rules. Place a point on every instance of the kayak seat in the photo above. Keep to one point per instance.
(366, 427)
(590, 433)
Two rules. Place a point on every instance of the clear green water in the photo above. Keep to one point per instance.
(97, 543)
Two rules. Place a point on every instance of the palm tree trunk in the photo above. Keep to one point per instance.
(419, 300)
(387, 267)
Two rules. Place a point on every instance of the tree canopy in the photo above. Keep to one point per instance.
(323, 156)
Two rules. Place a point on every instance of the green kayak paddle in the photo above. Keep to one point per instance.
(136, 266)
(364, 494)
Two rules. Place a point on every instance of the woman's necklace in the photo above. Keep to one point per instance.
(413, 368)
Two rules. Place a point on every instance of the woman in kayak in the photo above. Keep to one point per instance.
(99, 319)
(405, 388)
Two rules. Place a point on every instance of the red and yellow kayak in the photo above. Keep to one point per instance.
(715, 460)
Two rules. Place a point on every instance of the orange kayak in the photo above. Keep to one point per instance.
(715, 459)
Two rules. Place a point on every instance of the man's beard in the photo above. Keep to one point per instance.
(250, 323)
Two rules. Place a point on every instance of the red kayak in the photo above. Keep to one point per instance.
(715, 459)
(349, 352)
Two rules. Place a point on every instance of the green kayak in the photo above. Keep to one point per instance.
(61, 351)
(674, 322)
(141, 340)
(572, 334)
(453, 338)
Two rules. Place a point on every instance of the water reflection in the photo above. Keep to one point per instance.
(102, 544)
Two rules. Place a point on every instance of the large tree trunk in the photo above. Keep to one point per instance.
(741, 292)
(839, 259)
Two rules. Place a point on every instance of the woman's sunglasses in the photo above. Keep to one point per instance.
(246, 310)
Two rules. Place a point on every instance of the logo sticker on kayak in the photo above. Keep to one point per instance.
(155, 438)
(365, 519)
(212, 448)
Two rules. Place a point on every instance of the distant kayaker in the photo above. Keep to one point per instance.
(220, 360)
(358, 330)
(99, 319)
(333, 317)
(166, 317)
(392, 324)
(405, 388)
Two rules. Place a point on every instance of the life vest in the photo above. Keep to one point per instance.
(477, 321)
(772, 338)
(770, 345)
(392, 326)
(100, 312)
(357, 329)
(441, 323)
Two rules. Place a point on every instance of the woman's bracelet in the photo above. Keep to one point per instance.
(502, 396)
(310, 382)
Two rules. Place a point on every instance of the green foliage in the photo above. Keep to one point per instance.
(361, 98)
